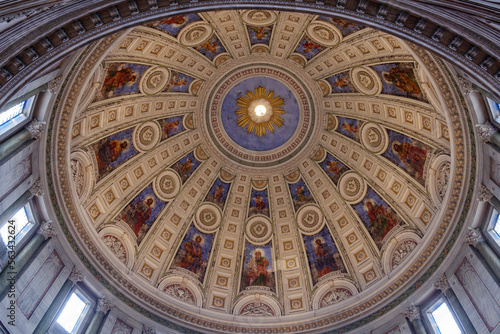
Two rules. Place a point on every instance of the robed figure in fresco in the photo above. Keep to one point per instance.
(324, 261)
(192, 261)
(412, 156)
(136, 214)
(381, 219)
(118, 78)
(403, 79)
(258, 270)
(108, 151)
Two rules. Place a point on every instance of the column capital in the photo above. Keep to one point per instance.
(412, 312)
(485, 131)
(148, 330)
(442, 283)
(47, 229)
(37, 189)
(473, 237)
(484, 195)
(54, 84)
(35, 127)
(104, 305)
(76, 275)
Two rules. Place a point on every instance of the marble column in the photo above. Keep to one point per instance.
(463, 318)
(16, 264)
(102, 308)
(413, 314)
(475, 238)
(35, 190)
(47, 319)
(488, 133)
(484, 195)
(32, 131)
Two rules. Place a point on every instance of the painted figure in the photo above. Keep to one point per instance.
(137, 214)
(309, 46)
(342, 23)
(177, 81)
(116, 79)
(218, 193)
(109, 151)
(324, 261)
(403, 79)
(352, 129)
(211, 47)
(258, 270)
(411, 156)
(301, 194)
(192, 261)
(187, 166)
(381, 220)
(259, 32)
(175, 20)
(170, 128)
(341, 82)
(259, 202)
(334, 167)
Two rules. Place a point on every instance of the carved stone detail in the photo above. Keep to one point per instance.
(334, 296)
(37, 189)
(116, 246)
(53, 85)
(257, 309)
(412, 312)
(465, 85)
(442, 283)
(473, 237)
(442, 179)
(484, 195)
(485, 131)
(47, 230)
(76, 275)
(36, 128)
(402, 251)
(148, 330)
(104, 305)
(180, 292)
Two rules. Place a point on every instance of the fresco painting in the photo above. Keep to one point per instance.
(350, 127)
(171, 126)
(172, 25)
(111, 151)
(259, 35)
(218, 193)
(211, 48)
(323, 256)
(186, 166)
(300, 194)
(409, 154)
(141, 212)
(194, 252)
(341, 83)
(179, 82)
(308, 48)
(121, 79)
(333, 167)
(399, 79)
(258, 268)
(378, 217)
(259, 203)
(345, 27)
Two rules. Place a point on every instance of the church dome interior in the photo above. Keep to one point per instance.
(259, 170)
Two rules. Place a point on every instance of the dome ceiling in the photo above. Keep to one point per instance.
(190, 203)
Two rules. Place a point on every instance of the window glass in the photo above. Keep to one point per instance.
(12, 112)
(494, 109)
(443, 320)
(16, 225)
(497, 226)
(72, 312)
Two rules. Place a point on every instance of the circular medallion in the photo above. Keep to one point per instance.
(259, 116)
(167, 185)
(195, 33)
(259, 230)
(374, 138)
(154, 80)
(146, 136)
(310, 219)
(352, 187)
(208, 217)
(259, 17)
(324, 33)
(366, 80)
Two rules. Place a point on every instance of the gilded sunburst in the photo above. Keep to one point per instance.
(260, 111)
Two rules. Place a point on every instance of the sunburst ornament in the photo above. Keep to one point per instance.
(260, 111)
